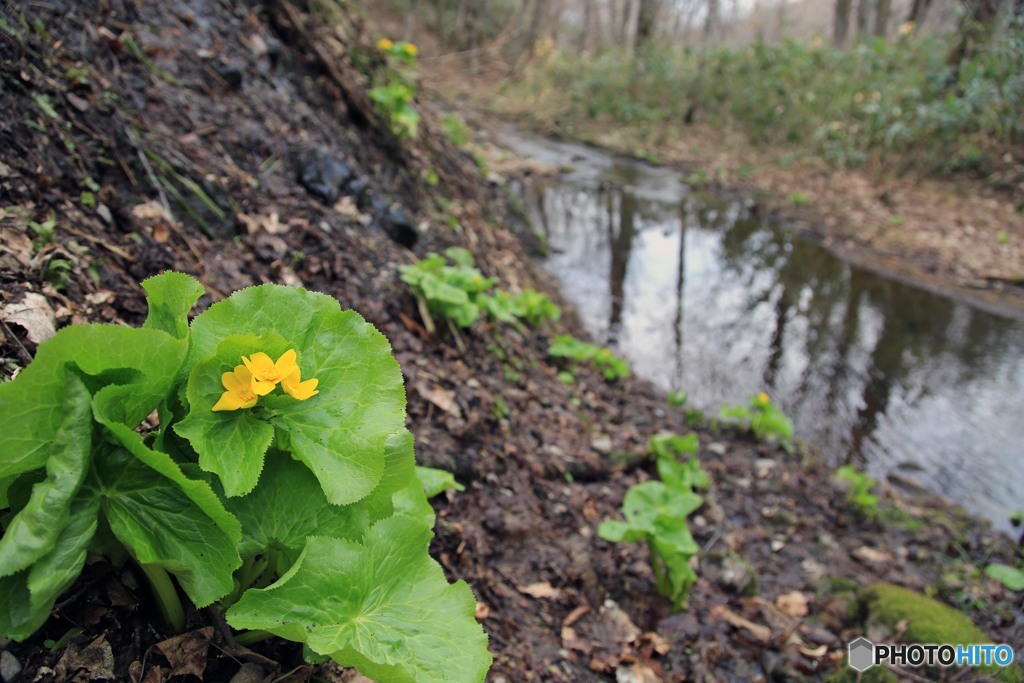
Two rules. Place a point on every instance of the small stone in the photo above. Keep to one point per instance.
(777, 545)
(324, 176)
(230, 75)
(602, 443)
(249, 673)
(762, 466)
(718, 448)
(10, 667)
(738, 576)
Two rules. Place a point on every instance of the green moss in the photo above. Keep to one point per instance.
(877, 674)
(928, 621)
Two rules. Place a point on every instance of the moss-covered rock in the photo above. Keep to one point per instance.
(883, 606)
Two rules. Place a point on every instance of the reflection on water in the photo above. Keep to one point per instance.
(703, 297)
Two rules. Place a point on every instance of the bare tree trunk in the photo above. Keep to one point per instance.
(918, 11)
(882, 9)
(975, 28)
(841, 24)
(781, 19)
(712, 22)
(863, 18)
(646, 21)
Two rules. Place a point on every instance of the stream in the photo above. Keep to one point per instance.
(701, 296)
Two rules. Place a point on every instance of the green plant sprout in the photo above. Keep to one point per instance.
(608, 364)
(762, 417)
(455, 129)
(656, 512)
(859, 494)
(454, 289)
(394, 99)
(677, 399)
(667, 448)
(278, 487)
(1011, 577)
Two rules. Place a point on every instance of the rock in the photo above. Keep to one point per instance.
(718, 448)
(10, 667)
(323, 176)
(230, 75)
(602, 443)
(399, 228)
(733, 573)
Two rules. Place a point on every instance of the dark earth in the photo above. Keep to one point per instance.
(235, 141)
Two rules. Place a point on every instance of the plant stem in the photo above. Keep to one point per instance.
(166, 596)
(252, 637)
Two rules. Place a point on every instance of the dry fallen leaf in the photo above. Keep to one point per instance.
(187, 653)
(871, 555)
(758, 631)
(636, 673)
(33, 312)
(94, 662)
(151, 210)
(793, 603)
(542, 589)
(442, 398)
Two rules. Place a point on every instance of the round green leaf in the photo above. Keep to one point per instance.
(340, 433)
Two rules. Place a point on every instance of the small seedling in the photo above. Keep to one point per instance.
(608, 364)
(762, 417)
(859, 495)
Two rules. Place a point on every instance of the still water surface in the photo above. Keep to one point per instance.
(701, 296)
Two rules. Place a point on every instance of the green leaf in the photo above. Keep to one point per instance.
(340, 433)
(382, 606)
(435, 481)
(646, 502)
(170, 297)
(161, 524)
(34, 530)
(27, 598)
(616, 531)
(137, 365)
(1010, 577)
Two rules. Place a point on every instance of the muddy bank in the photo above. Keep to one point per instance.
(235, 143)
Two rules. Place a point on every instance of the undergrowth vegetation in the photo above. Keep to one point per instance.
(899, 103)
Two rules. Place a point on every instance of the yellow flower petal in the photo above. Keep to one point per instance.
(384, 44)
(230, 400)
(239, 392)
(286, 364)
(261, 388)
(261, 367)
(298, 389)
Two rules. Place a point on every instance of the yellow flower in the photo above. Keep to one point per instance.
(410, 49)
(239, 391)
(266, 373)
(384, 45)
(762, 400)
(296, 388)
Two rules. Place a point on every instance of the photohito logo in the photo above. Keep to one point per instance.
(863, 654)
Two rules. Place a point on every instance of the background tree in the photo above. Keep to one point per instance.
(841, 22)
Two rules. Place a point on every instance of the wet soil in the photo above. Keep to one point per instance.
(235, 142)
